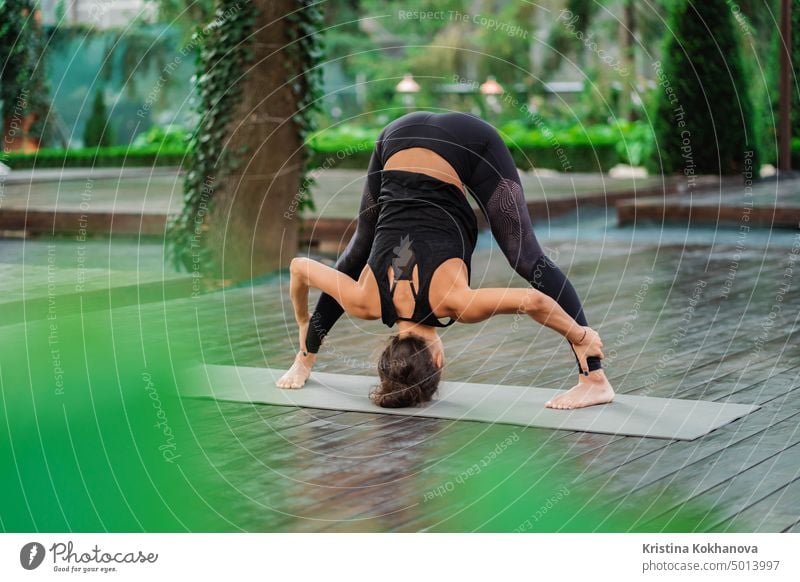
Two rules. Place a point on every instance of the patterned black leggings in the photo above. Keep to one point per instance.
(494, 183)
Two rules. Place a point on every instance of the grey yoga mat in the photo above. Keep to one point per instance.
(671, 418)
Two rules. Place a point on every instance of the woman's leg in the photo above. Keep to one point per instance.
(353, 258)
(351, 262)
(497, 187)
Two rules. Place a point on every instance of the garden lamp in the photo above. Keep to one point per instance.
(408, 86)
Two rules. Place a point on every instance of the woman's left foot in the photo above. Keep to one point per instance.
(589, 391)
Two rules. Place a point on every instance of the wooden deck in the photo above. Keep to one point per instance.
(696, 322)
(35, 292)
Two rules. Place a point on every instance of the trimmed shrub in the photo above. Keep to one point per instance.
(706, 125)
(104, 157)
(98, 131)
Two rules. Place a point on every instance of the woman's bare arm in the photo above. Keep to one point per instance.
(349, 294)
(307, 273)
(475, 305)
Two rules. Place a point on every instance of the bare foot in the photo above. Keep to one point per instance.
(297, 375)
(590, 390)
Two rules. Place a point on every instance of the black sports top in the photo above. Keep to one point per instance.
(485, 167)
(421, 221)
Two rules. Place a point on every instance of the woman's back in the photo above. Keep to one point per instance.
(422, 222)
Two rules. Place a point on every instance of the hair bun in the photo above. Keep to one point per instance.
(407, 372)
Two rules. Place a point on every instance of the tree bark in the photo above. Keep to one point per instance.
(253, 227)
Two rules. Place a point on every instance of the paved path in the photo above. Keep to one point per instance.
(138, 203)
(764, 204)
(336, 194)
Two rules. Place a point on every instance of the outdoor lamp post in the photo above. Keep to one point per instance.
(407, 87)
(491, 89)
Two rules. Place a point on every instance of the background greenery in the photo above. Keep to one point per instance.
(143, 74)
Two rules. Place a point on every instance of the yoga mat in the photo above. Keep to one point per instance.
(669, 418)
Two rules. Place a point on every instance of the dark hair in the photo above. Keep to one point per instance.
(407, 372)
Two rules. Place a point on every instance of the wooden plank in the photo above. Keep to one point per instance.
(698, 473)
(637, 464)
(794, 528)
(765, 477)
(776, 511)
(365, 473)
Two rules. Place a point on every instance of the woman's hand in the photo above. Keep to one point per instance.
(589, 344)
(297, 375)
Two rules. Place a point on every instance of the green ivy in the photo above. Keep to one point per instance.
(225, 53)
(14, 14)
(22, 75)
(796, 66)
(306, 48)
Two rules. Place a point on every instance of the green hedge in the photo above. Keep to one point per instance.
(103, 157)
(580, 158)
(572, 148)
(582, 149)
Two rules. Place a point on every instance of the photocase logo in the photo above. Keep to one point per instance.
(31, 555)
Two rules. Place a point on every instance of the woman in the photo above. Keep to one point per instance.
(409, 260)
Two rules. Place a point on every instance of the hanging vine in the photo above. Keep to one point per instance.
(225, 53)
(24, 90)
(306, 48)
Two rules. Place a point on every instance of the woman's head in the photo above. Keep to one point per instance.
(409, 370)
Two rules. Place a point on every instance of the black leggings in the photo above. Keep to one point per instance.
(478, 153)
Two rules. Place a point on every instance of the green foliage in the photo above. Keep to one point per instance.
(306, 48)
(345, 137)
(560, 146)
(22, 75)
(636, 142)
(506, 49)
(628, 144)
(98, 132)
(560, 39)
(121, 156)
(759, 36)
(436, 40)
(185, 14)
(708, 125)
(225, 52)
(761, 64)
(104, 401)
(172, 137)
(14, 36)
(796, 66)
(133, 51)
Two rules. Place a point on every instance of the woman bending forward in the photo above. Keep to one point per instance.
(409, 261)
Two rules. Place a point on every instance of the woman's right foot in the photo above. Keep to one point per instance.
(296, 376)
(589, 391)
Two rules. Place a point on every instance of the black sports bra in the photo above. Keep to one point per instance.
(422, 221)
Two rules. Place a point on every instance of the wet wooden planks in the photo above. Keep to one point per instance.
(308, 470)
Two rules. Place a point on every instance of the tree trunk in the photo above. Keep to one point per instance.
(253, 227)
